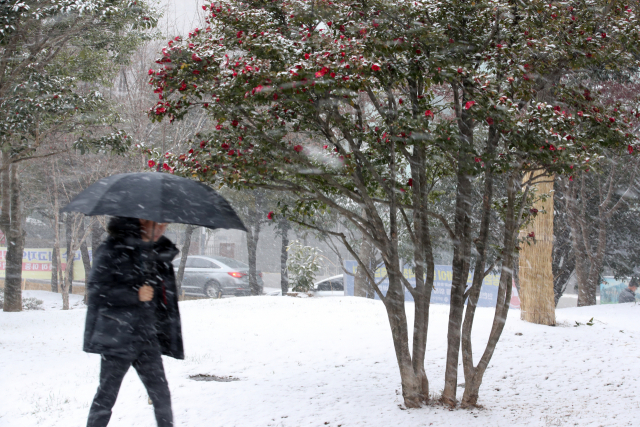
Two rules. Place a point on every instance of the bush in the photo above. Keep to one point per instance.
(27, 303)
(303, 263)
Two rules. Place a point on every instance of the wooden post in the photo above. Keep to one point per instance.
(535, 266)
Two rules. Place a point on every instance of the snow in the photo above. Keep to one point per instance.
(328, 361)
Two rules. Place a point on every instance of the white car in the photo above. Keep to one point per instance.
(330, 287)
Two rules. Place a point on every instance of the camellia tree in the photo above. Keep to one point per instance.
(362, 108)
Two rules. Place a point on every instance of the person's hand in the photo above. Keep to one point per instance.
(145, 293)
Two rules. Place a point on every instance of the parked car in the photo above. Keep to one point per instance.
(330, 287)
(215, 276)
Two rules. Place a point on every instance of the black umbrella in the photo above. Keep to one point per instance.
(159, 197)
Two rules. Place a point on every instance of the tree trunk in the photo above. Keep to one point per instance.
(361, 283)
(480, 265)
(86, 260)
(252, 245)
(411, 387)
(474, 377)
(460, 274)
(461, 248)
(55, 256)
(537, 303)
(188, 232)
(70, 256)
(96, 236)
(66, 286)
(424, 269)
(12, 227)
(284, 256)
(563, 258)
(55, 264)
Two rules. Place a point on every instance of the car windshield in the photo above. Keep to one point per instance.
(230, 262)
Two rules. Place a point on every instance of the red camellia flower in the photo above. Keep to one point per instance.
(531, 235)
(322, 72)
(165, 166)
(469, 104)
(400, 101)
(270, 215)
(297, 148)
(375, 67)
(151, 163)
(161, 110)
(183, 86)
(428, 113)
(218, 127)
(489, 121)
(325, 146)
(234, 123)
(612, 119)
(630, 149)
(333, 75)
(477, 159)
(196, 58)
(499, 46)
(329, 23)
(224, 146)
(459, 70)
(239, 34)
(604, 35)
(410, 182)
(533, 211)
(150, 72)
(552, 147)
(580, 114)
(306, 56)
(202, 144)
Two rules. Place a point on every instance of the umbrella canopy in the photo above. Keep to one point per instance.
(159, 197)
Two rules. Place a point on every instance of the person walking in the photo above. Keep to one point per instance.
(628, 294)
(132, 315)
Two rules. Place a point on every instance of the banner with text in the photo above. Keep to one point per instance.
(442, 285)
(36, 263)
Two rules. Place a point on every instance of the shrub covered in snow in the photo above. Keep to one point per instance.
(303, 263)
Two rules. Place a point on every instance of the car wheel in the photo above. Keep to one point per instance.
(212, 290)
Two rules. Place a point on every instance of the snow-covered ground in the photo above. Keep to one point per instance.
(328, 361)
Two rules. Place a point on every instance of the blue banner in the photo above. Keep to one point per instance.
(442, 285)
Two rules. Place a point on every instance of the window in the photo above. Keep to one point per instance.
(229, 262)
(330, 285)
(337, 285)
(201, 263)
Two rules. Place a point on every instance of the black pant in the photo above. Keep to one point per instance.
(148, 364)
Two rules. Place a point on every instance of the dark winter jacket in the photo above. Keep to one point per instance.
(117, 321)
(627, 295)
